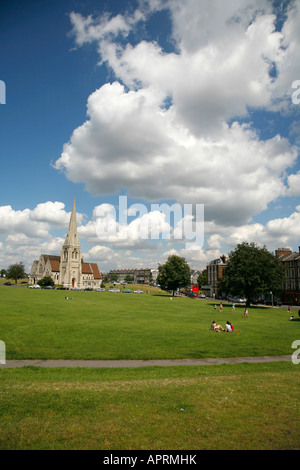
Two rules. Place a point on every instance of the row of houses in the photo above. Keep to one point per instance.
(290, 260)
(138, 276)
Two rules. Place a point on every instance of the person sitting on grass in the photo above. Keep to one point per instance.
(216, 328)
(228, 327)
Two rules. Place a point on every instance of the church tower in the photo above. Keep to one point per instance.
(70, 258)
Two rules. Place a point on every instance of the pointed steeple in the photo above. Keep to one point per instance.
(70, 258)
(72, 237)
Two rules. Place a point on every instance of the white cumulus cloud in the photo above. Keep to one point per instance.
(169, 127)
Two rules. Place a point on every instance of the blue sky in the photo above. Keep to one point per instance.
(186, 102)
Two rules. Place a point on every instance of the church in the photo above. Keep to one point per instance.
(68, 270)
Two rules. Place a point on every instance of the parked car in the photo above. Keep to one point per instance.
(138, 292)
(76, 288)
(237, 300)
(34, 286)
(201, 296)
(126, 291)
(101, 289)
(88, 289)
(7, 284)
(114, 290)
(48, 287)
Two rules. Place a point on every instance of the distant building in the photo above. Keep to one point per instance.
(139, 276)
(214, 274)
(291, 262)
(68, 269)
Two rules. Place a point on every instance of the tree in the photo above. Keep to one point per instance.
(113, 277)
(46, 281)
(3, 273)
(251, 271)
(202, 278)
(128, 278)
(16, 271)
(175, 273)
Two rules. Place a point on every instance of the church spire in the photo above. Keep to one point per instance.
(72, 237)
(70, 259)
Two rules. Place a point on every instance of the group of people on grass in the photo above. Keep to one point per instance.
(229, 326)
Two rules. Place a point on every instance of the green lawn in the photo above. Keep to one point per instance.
(41, 324)
(241, 406)
(230, 406)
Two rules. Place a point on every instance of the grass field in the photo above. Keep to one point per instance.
(230, 406)
(241, 406)
(41, 324)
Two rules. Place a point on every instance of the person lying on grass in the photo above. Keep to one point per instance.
(216, 327)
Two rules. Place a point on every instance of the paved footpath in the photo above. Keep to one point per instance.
(141, 363)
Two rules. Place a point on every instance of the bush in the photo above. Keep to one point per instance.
(46, 281)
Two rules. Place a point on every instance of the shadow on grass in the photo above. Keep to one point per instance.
(160, 295)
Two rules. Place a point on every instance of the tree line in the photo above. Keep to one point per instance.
(250, 271)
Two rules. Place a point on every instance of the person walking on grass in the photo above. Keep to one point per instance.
(221, 307)
(246, 313)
